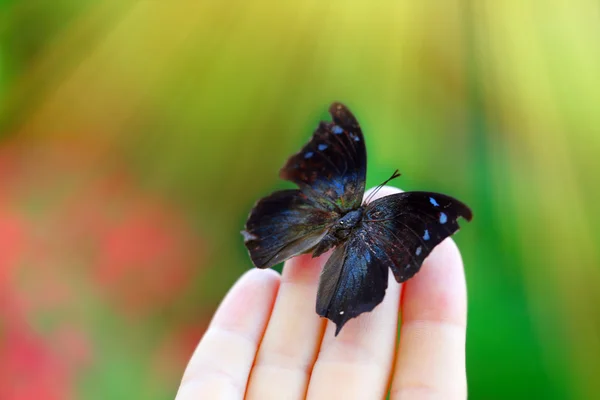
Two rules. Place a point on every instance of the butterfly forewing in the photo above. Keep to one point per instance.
(403, 228)
(331, 167)
(284, 224)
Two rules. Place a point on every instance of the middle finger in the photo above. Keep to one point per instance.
(357, 363)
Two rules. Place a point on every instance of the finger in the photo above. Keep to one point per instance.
(289, 347)
(220, 366)
(431, 355)
(357, 363)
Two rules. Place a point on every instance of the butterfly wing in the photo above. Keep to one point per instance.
(397, 232)
(284, 224)
(331, 168)
(402, 229)
(353, 281)
(330, 172)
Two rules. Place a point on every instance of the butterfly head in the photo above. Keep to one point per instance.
(344, 226)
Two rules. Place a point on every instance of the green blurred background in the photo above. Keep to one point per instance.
(136, 135)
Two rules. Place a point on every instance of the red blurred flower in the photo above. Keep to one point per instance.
(30, 367)
(76, 229)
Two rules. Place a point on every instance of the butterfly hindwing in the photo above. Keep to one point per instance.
(404, 228)
(353, 281)
(284, 224)
(331, 167)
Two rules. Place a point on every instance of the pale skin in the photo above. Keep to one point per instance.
(266, 341)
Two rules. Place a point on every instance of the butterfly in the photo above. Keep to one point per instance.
(326, 212)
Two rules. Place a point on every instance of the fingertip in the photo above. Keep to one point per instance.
(254, 291)
(266, 275)
(382, 192)
(254, 279)
(438, 291)
(220, 366)
(446, 252)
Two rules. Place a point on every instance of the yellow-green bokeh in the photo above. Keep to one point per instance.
(492, 102)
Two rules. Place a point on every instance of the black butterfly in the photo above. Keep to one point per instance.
(397, 231)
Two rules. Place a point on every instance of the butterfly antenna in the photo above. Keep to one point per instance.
(395, 175)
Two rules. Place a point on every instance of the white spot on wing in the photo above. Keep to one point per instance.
(248, 236)
(341, 313)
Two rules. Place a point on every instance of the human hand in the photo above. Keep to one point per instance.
(266, 341)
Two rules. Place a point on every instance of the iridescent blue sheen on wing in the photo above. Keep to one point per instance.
(396, 232)
(402, 229)
(284, 224)
(331, 168)
(353, 281)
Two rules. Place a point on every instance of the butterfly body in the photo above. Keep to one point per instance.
(339, 231)
(326, 212)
